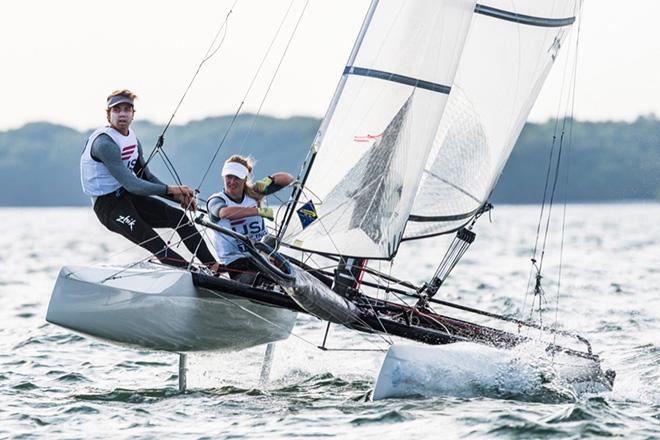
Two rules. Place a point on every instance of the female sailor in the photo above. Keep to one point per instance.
(239, 207)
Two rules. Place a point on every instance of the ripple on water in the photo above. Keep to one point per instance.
(29, 305)
(25, 386)
(72, 378)
(24, 315)
(573, 413)
(6, 282)
(326, 404)
(81, 409)
(131, 396)
(323, 380)
(390, 416)
(32, 419)
(511, 425)
(320, 386)
(134, 365)
(60, 339)
(228, 390)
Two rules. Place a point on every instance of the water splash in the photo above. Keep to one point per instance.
(527, 373)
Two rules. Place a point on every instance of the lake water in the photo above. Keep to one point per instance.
(55, 384)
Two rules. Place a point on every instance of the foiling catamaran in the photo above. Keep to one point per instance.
(430, 104)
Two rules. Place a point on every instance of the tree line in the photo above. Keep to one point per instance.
(607, 161)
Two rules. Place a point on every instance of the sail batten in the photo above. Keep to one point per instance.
(443, 218)
(521, 18)
(394, 77)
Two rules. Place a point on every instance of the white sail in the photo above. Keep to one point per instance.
(509, 51)
(374, 141)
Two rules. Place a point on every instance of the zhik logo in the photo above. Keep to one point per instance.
(127, 220)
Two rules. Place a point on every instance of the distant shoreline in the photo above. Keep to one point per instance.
(609, 162)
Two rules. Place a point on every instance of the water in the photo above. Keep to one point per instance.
(54, 384)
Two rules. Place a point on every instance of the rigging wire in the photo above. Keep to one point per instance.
(210, 52)
(535, 267)
(148, 257)
(240, 106)
(551, 180)
(567, 173)
(272, 80)
(107, 257)
(188, 215)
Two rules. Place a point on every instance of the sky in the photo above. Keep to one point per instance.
(60, 59)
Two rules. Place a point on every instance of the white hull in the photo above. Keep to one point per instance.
(466, 368)
(159, 308)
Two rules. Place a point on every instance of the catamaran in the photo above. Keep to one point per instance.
(429, 106)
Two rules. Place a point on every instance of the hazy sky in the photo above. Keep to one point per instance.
(60, 59)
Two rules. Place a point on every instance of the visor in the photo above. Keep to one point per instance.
(116, 100)
(235, 169)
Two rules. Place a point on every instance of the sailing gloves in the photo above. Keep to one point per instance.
(266, 213)
(261, 186)
(267, 186)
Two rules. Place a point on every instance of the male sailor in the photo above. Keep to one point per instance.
(114, 174)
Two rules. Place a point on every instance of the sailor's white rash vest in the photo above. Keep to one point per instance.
(227, 248)
(95, 177)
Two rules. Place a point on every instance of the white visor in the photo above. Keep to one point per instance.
(235, 169)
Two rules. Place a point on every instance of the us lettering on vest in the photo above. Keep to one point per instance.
(229, 249)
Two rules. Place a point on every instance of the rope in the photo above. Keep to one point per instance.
(553, 174)
(279, 326)
(167, 244)
(210, 52)
(272, 80)
(213, 49)
(120, 252)
(566, 176)
(240, 106)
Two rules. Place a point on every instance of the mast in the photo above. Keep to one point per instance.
(326, 120)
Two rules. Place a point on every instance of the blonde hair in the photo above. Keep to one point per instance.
(248, 163)
(120, 92)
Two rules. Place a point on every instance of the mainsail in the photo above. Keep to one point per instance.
(379, 130)
(508, 53)
(431, 103)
